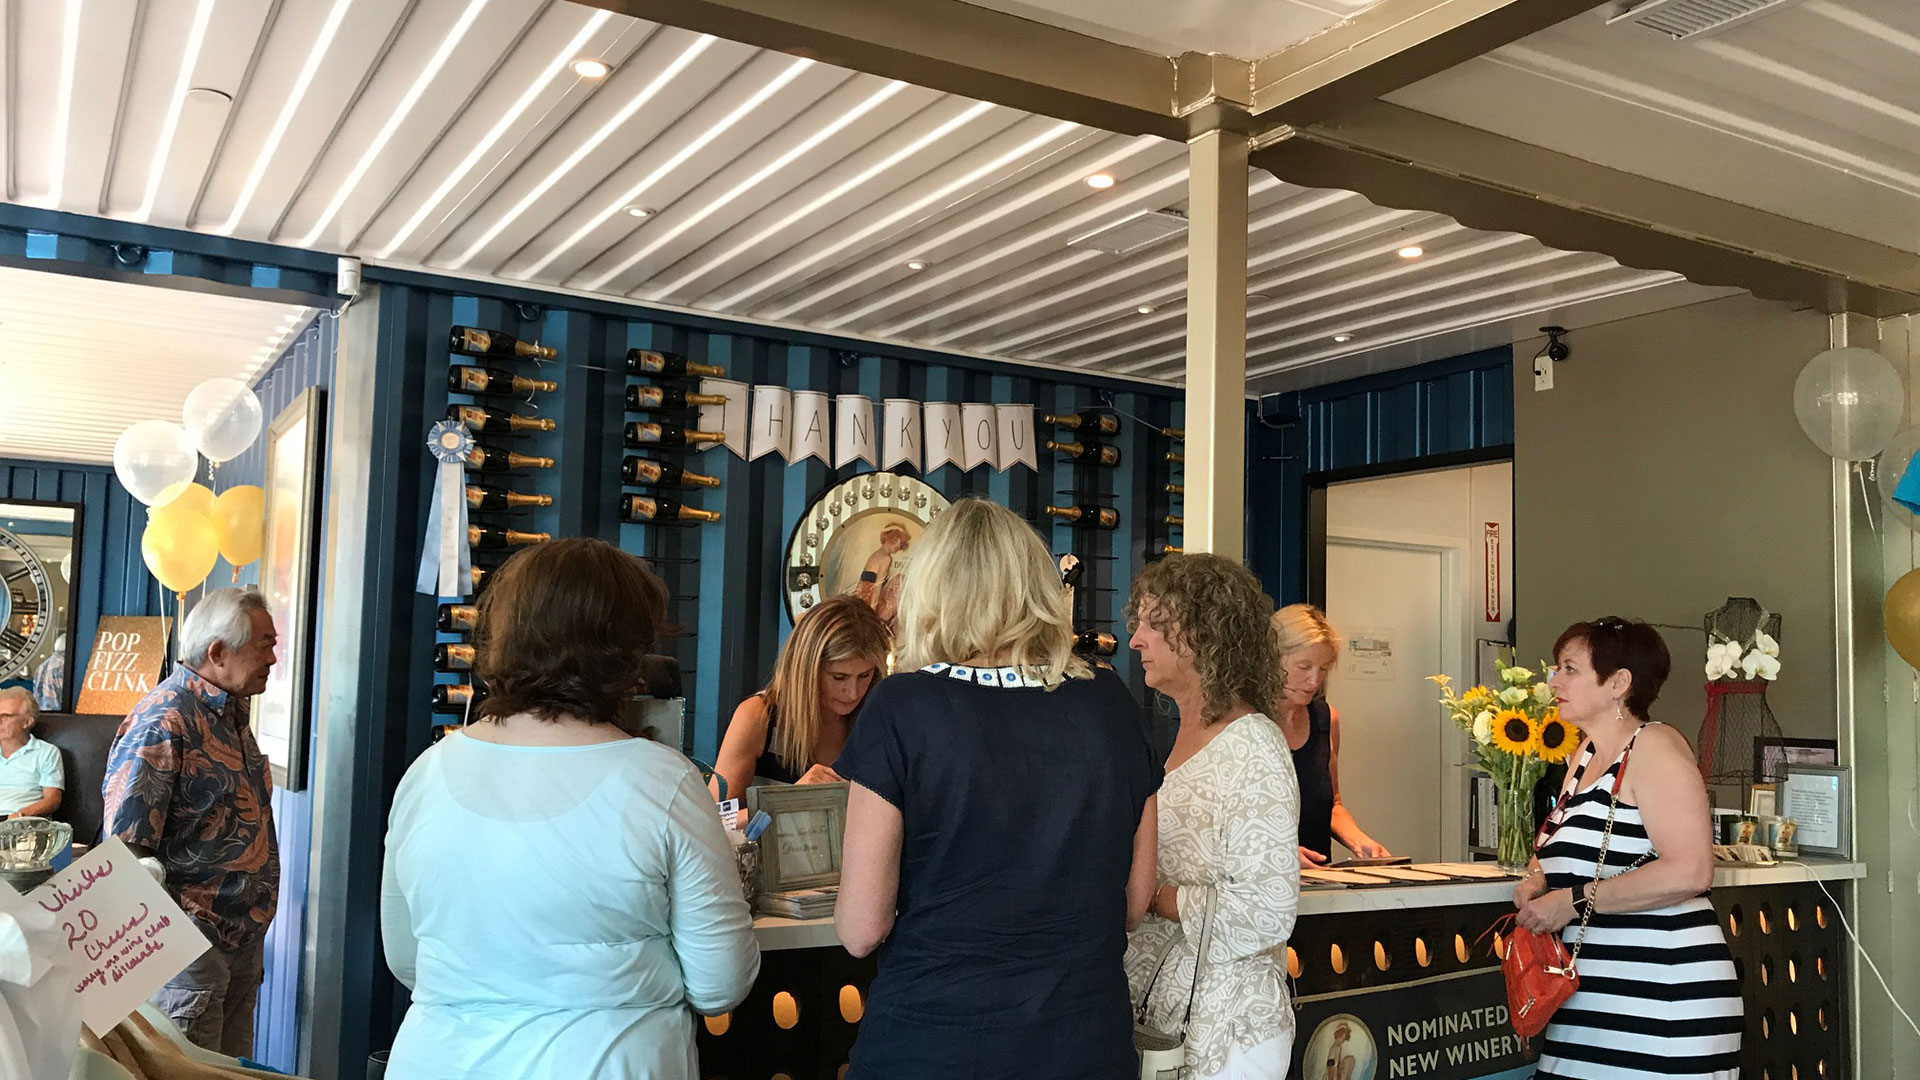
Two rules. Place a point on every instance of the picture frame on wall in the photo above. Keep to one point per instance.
(289, 579)
(1772, 756)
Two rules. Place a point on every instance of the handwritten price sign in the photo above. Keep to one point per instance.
(124, 936)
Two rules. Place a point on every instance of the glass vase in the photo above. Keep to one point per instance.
(1516, 832)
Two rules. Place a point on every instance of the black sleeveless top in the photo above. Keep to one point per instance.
(1313, 765)
(770, 767)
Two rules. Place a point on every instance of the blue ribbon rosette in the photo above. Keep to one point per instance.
(445, 560)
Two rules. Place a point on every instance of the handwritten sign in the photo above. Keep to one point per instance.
(124, 936)
(806, 842)
(128, 653)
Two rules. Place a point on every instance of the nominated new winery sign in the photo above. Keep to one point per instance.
(1449, 1027)
(128, 654)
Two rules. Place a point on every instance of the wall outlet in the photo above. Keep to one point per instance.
(1542, 373)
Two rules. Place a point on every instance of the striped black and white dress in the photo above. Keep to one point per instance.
(1658, 994)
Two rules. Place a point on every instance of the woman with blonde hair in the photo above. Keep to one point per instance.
(1000, 830)
(1229, 862)
(1309, 647)
(788, 732)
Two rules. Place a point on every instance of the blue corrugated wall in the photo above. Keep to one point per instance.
(1397, 418)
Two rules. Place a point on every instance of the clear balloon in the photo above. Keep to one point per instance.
(152, 456)
(222, 416)
(1849, 402)
(239, 523)
(179, 547)
(1891, 467)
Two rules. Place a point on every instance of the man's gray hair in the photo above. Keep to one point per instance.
(26, 695)
(223, 615)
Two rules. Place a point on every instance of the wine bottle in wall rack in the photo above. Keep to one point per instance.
(1176, 457)
(453, 697)
(649, 362)
(489, 497)
(1174, 432)
(473, 341)
(665, 433)
(642, 508)
(1092, 423)
(467, 379)
(493, 459)
(1171, 549)
(1097, 642)
(491, 421)
(1093, 517)
(488, 538)
(478, 575)
(457, 618)
(1175, 489)
(650, 398)
(646, 472)
(1175, 520)
(1088, 453)
(453, 656)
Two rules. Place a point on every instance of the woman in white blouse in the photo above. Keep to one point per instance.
(1229, 820)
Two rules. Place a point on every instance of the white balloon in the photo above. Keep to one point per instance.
(1890, 467)
(153, 455)
(1848, 402)
(66, 567)
(222, 417)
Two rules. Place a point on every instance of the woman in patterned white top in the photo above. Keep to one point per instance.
(1229, 820)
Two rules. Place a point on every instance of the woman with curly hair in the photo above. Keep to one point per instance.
(999, 828)
(1229, 821)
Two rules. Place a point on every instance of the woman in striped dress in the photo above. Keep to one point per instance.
(1658, 994)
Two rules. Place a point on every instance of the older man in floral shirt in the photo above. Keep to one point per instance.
(187, 786)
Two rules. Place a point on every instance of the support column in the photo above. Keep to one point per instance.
(1216, 415)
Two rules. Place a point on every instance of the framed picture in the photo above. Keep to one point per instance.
(801, 848)
(858, 538)
(1819, 800)
(39, 542)
(1771, 756)
(288, 576)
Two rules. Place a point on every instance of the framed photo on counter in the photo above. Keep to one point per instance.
(801, 848)
(1771, 756)
(1819, 799)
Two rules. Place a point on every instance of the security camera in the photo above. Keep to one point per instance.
(1557, 350)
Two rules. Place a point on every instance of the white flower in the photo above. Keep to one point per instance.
(1542, 693)
(1757, 664)
(1483, 727)
(1514, 695)
(1516, 676)
(1723, 657)
(1765, 644)
(1718, 669)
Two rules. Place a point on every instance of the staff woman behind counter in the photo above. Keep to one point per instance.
(1309, 647)
(791, 730)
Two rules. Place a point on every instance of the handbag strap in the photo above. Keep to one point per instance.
(1606, 839)
(1199, 957)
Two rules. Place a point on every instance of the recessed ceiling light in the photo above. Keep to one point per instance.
(640, 211)
(1411, 251)
(1100, 181)
(590, 69)
(1343, 337)
(1145, 309)
(916, 264)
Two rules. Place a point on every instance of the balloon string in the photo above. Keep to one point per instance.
(1866, 501)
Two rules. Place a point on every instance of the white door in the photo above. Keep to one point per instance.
(1392, 602)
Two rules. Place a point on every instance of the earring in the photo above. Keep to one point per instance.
(1619, 713)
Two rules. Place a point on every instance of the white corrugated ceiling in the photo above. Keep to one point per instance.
(454, 135)
(81, 359)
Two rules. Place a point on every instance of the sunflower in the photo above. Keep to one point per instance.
(1514, 732)
(1556, 738)
(1478, 698)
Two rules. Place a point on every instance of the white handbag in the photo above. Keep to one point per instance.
(1163, 1054)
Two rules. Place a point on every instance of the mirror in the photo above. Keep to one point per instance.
(37, 565)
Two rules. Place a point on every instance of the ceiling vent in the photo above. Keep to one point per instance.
(1678, 20)
(1133, 233)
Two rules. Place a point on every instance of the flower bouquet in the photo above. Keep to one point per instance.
(1517, 732)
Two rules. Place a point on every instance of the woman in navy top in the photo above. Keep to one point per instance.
(1000, 830)
(1309, 648)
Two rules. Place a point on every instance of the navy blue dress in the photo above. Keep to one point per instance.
(1313, 764)
(1019, 806)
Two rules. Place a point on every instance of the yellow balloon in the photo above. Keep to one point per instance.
(179, 547)
(189, 495)
(1901, 616)
(240, 523)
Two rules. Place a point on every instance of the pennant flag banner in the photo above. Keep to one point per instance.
(772, 423)
(731, 418)
(811, 434)
(900, 444)
(1016, 437)
(981, 434)
(853, 430)
(943, 434)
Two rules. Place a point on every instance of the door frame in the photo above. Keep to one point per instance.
(1453, 658)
